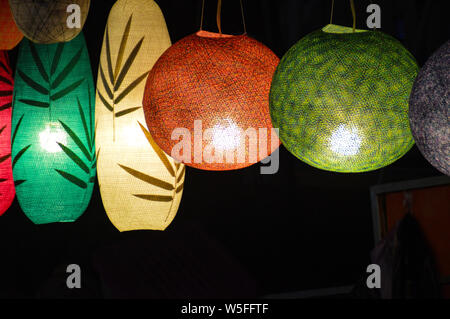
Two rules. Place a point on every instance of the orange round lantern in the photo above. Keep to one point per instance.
(206, 100)
(10, 35)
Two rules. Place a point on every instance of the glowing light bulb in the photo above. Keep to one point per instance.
(132, 135)
(52, 135)
(226, 137)
(345, 141)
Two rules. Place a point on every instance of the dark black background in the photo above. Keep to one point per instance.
(236, 233)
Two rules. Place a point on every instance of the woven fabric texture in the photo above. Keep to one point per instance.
(45, 21)
(53, 149)
(222, 81)
(7, 192)
(141, 187)
(10, 35)
(340, 100)
(429, 109)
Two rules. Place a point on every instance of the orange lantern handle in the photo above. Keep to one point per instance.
(219, 10)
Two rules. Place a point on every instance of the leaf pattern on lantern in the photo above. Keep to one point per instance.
(6, 92)
(50, 87)
(19, 154)
(87, 148)
(114, 78)
(4, 157)
(177, 172)
(5, 106)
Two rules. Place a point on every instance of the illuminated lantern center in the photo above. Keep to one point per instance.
(345, 141)
(51, 136)
(226, 136)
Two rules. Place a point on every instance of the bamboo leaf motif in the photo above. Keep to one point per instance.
(6, 93)
(5, 106)
(157, 198)
(77, 140)
(123, 44)
(19, 182)
(90, 155)
(38, 62)
(65, 72)
(128, 64)
(108, 57)
(35, 103)
(98, 154)
(93, 137)
(23, 150)
(19, 155)
(4, 158)
(130, 87)
(74, 157)
(116, 77)
(31, 83)
(94, 163)
(92, 140)
(148, 179)
(105, 103)
(17, 129)
(177, 173)
(83, 121)
(180, 174)
(4, 68)
(53, 84)
(5, 80)
(66, 91)
(105, 84)
(125, 112)
(72, 178)
(179, 188)
(57, 57)
(162, 156)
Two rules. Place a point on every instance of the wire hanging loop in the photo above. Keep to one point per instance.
(332, 9)
(201, 19)
(218, 16)
(352, 6)
(219, 11)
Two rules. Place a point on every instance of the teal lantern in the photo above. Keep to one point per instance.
(340, 99)
(53, 151)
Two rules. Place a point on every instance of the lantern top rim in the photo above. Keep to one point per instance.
(215, 35)
(339, 29)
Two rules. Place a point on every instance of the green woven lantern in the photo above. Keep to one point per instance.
(53, 151)
(340, 99)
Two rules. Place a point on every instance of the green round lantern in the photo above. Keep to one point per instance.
(53, 149)
(340, 99)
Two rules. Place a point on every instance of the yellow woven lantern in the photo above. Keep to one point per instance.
(50, 21)
(140, 185)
